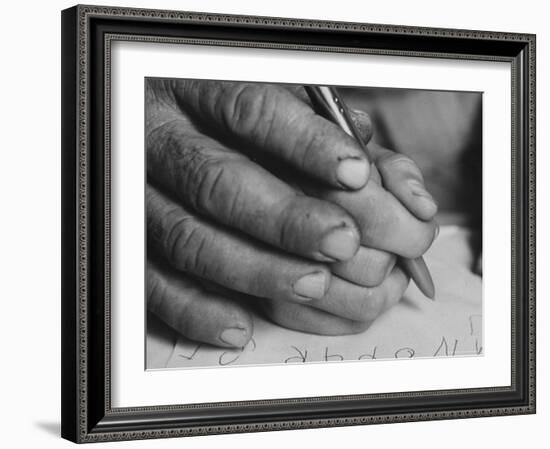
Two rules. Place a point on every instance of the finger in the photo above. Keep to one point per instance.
(365, 304)
(308, 319)
(384, 222)
(193, 245)
(369, 267)
(160, 104)
(231, 189)
(271, 120)
(195, 313)
(402, 177)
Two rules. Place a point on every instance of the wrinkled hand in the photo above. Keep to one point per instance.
(217, 215)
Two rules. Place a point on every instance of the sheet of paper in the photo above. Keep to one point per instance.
(417, 327)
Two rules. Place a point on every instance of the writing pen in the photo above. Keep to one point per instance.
(330, 105)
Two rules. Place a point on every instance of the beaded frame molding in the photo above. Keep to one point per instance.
(87, 34)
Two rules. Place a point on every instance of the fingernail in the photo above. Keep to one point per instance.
(353, 173)
(234, 336)
(340, 244)
(436, 231)
(423, 195)
(311, 286)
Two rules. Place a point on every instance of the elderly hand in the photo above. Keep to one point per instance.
(218, 213)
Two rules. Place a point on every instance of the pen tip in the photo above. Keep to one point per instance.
(430, 294)
(419, 272)
(427, 287)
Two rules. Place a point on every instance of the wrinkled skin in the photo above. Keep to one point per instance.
(251, 194)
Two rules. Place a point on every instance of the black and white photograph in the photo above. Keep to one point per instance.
(291, 224)
(279, 223)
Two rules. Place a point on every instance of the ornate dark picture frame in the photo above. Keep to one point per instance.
(87, 34)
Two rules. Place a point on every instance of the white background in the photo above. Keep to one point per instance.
(30, 225)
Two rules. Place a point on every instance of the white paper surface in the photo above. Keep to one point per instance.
(449, 326)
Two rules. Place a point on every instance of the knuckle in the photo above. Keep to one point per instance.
(160, 145)
(205, 178)
(159, 93)
(166, 301)
(161, 301)
(156, 292)
(209, 175)
(196, 164)
(244, 108)
(306, 148)
(167, 141)
(185, 245)
(398, 161)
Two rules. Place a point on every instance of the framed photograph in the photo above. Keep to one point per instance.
(276, 224)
